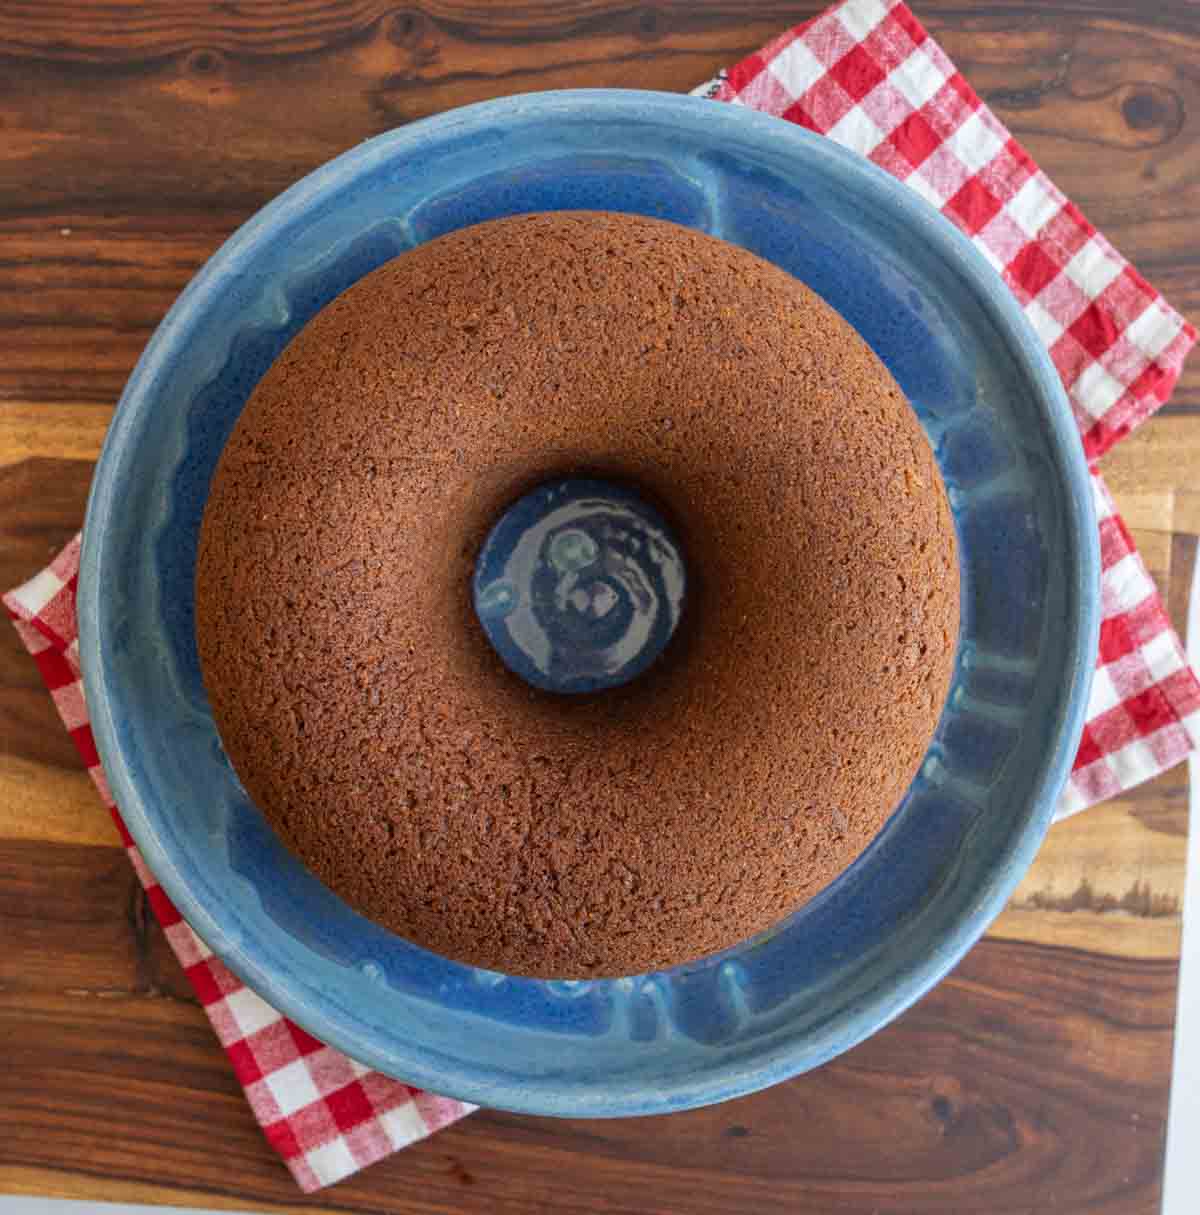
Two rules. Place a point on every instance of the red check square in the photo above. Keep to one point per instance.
(1095, 330)
(857, 73)
(915, 139)
(973, 206)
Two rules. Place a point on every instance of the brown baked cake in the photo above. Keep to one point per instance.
(639, 827)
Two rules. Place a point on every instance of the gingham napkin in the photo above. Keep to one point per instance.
(325, 1114)
(867, 75)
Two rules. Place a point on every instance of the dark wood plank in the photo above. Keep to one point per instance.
(77, 925)
(41, 508)
(169, 129)
(84, 291)
(1112, 85)
(201, 109)
(983, 1098)
(1031, 1080)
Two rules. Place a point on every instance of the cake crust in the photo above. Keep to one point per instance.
(577, 836)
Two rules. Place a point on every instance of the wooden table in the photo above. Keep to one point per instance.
(133, 139)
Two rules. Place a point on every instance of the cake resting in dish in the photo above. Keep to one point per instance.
(621, 830)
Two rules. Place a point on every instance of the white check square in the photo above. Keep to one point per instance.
(1125, 586)
(1104, 694)
(920, 184)
(976, 143)
(1044, 324)
(188, 947)
(856, 131)
(1102, 502)
(1097, 391)
(1154, 330)
(861, 17)
(918, 78)
(796, 68)
(1134, 763)
(35, 594)
(250, 1011)
(331, 1161)
(1162, 657)
(292, 1087)
(994, 259)
(1071, 801)
(1033, 206)
(404, 1124)
(68, 700)
(1093, 267)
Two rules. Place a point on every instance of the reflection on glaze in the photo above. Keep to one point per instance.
(579, 586)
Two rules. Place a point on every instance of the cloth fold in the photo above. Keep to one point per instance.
(324, 1113)
(866, 74)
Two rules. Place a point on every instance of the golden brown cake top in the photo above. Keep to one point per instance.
(643, 826)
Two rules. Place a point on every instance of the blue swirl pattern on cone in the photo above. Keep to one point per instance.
(579, 586)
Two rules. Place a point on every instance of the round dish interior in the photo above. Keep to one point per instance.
(633, 828)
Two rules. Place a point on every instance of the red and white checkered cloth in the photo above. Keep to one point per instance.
(866, 74)
(325, 1114)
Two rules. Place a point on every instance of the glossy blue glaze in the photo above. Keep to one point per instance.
(899, 918)
(579, 585)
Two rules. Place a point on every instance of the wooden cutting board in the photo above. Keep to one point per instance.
(133, 139)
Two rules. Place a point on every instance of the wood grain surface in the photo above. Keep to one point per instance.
(133, 139)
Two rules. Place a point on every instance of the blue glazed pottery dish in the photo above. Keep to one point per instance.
(889, 927)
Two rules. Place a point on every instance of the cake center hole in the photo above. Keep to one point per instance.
(579, 585)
